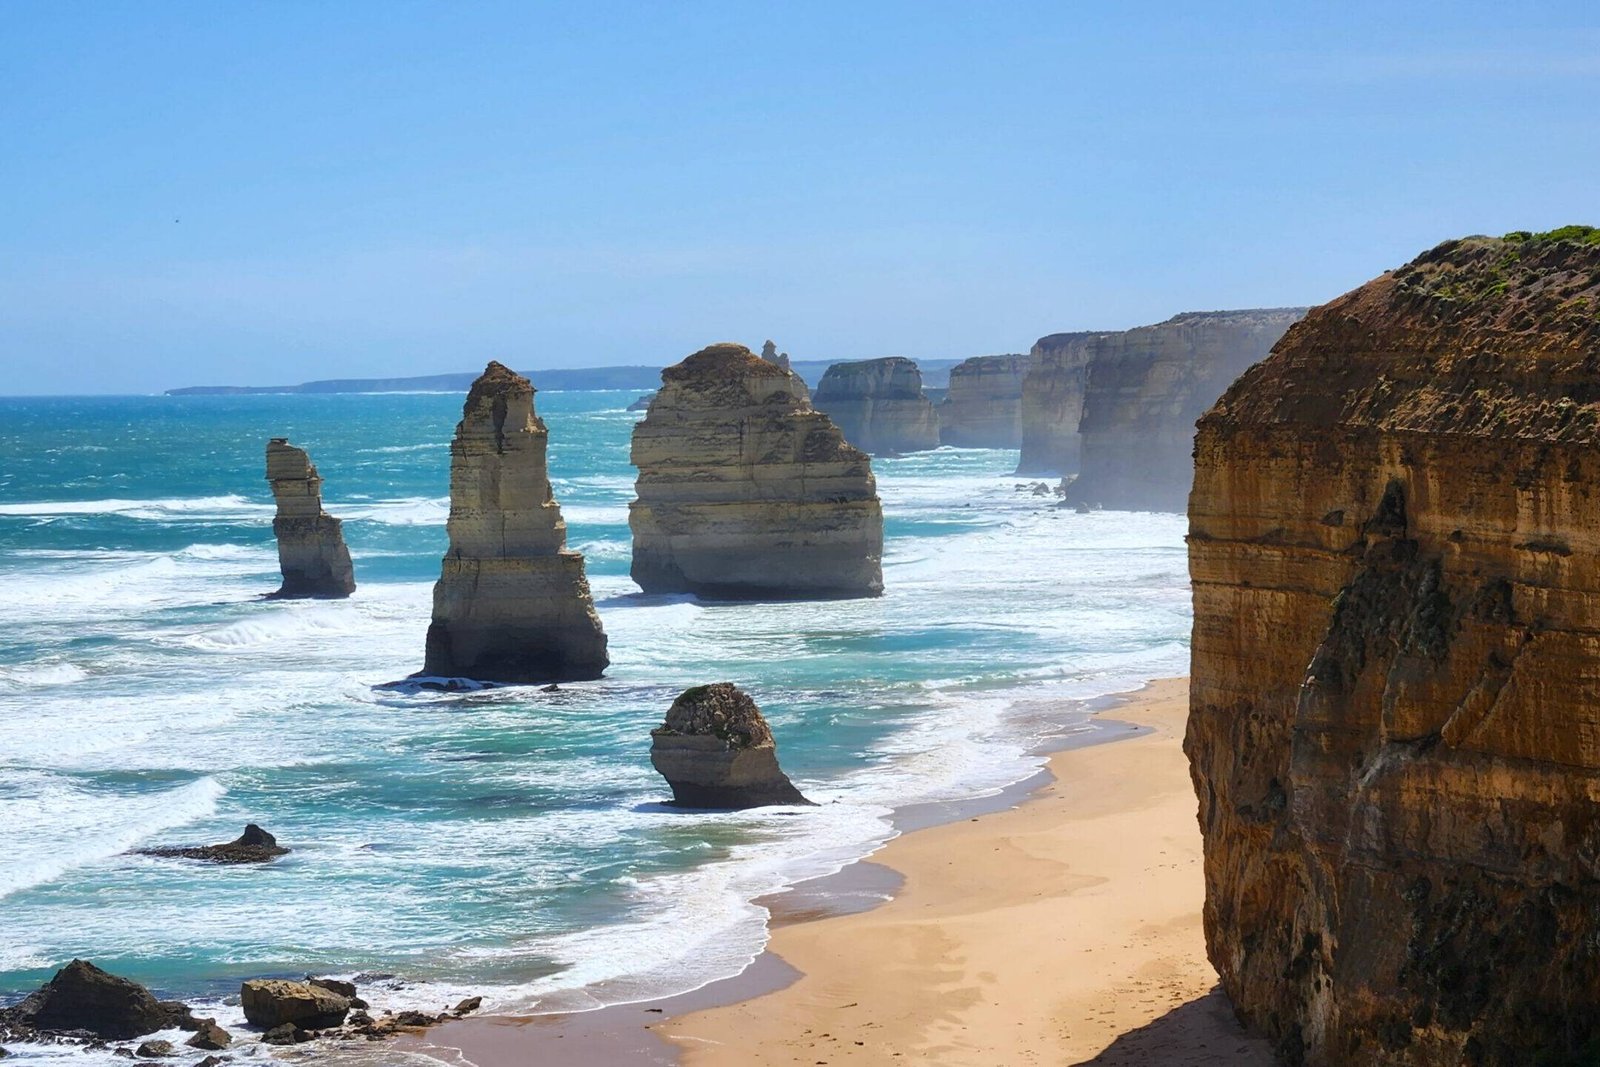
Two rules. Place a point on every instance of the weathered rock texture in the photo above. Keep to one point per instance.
(255, 845)
(983, 406)
(1402, 839)
(1145, 389)
(878, 405)
(82, 997)
(311, 549)
(770, 353)
(272, 1002)
(746, 491)
(716, 751)
(1052, 403)
(512, 604)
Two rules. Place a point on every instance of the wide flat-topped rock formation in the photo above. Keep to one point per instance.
(311, 549)
(1052, 403)
(983, 406)
(716, 751)
(512, 604)
(1145, 389)
(746, 491)
(1395, 720)
(879, 406)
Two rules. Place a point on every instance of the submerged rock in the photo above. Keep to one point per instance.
(82, 997)
(983, 406)
(879, 406)
(274, 1002)
(1393, 729)
(255, 845)
(512, 604)
(745, 491)
(311, 549)
(716, 751)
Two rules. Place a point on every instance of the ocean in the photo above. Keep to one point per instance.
(509, 843)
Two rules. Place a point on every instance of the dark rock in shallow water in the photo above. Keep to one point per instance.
(271, 1002)
(154, 1050)
(716, 751)
(334, 985)
(82, 997)
(285, 1034)
(471, 1004)
(210, 1036)
(255, 845)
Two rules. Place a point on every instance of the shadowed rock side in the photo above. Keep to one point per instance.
(311, 549)
(511, 604)
(1402, 839)
(1145, 389)
(745, 491)
(1052, 403)
(83, 998)
(983, 406)
(716, 751)
(879, 406)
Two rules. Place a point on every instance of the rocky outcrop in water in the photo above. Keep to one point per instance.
(83, 998)
(746, 491)
(311, 550)
(983, 406)
(1052, 403)
(274, 1002)
(879, 406)
(1145, 389)
(716, 751)
(512, 603)
(1394, 731)
(255, 845)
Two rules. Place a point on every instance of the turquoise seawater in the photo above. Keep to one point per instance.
(509, 842)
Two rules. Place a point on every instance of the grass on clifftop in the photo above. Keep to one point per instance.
(1583, 235)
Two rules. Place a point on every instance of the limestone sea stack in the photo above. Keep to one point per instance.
(1052, 403)
(512, 604)
(1395, 715)
(1144, 391)
(745, 491)
(879, 406)
(983, 406)
(716, 751)
(311, 550)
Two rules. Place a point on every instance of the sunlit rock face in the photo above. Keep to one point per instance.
(983, 406)
(1052, 403)
(311, 549)
(511, 604)
(1395, 718)
(879, 406)
(745, 491)
(716, 751)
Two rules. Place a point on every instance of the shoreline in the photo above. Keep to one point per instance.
(877, 946)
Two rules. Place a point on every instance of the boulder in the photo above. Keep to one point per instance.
(82, 997)
(311, 549)
(467, 1006)
(716, 751)
(879, 406)
(512, 604)
(154, 1050)
(285, 1034)
(272, 1002)
(983, 406)
(746, 492)
(255, 845)
(335, 985)
(210, 1036)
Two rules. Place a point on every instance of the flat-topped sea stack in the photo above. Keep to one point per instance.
(716, 751)
(879, 406)
(511, 604)
(1144, 391)
(746, 491)
(1394, 540)
(311, 549)
(983, 406)
(1052, 403)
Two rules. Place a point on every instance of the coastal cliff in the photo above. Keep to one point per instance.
(983, 407)
(311, 551)
(879, 406)
(1395, 699)
(1144, 390)
(511, 604)
(746, 491)
(1052, 403)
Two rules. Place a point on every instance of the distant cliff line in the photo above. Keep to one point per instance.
(935, 372)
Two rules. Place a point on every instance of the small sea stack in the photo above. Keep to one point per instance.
(716, 751)
(747, 492)
(983, 406)
(879, 405)
(512, 604)
(311, 550)
(255, 845)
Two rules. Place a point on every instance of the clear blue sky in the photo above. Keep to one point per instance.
(254, 193)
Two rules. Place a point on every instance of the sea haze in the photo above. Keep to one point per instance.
(510, 842)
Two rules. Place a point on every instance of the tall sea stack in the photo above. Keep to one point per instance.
(311, 549)
(1395, 707)
(512, 604)
(983, 407)
(746, 491)
(879, 406)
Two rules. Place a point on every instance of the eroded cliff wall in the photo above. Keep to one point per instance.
(1052, 403)
(879, 405)
(1395, 716)
(983, 406)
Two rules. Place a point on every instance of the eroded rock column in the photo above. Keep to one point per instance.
(311, 549)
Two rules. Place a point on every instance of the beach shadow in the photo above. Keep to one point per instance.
(1201, 1033)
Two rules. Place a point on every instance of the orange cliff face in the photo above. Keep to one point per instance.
(1395, 709)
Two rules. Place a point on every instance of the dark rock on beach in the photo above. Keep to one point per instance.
(255, 845)
(285, 1034)
(210, 1036)
(716, 751)
(83, 998)
(271, 1002)
(154, 1050)
(471, 1004)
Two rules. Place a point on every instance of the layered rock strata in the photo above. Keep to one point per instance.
(879, 406)
(1145, 389)
(983, 406)
(311, 550)
(1395, 719)
(512, 604)
(745, 491)
(1052, 403)
(716, 751)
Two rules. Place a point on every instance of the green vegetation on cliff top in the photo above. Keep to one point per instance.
(1584, 235)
